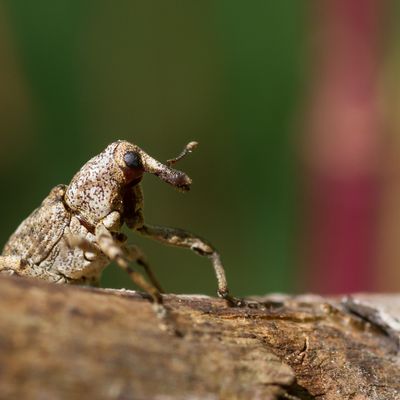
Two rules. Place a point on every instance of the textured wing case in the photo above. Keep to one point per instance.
(41, 231)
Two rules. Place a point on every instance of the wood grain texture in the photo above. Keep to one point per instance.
(66, 342)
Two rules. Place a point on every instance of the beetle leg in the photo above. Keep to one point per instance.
(133, 253)
(81, 242)
(116, 253)
(182, 238)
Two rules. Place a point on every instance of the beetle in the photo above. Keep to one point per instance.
(76, 231)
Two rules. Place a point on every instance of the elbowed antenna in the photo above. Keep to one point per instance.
(188, 149)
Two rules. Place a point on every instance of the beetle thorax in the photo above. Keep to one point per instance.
(96, 190)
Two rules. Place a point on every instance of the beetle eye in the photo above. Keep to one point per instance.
(132, 160)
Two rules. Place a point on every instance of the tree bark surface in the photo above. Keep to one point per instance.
(65, 342)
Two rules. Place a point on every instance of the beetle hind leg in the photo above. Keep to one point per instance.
(12, 265)
(18, 266)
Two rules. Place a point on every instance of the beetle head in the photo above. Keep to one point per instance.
(98, 188)
(134, 162)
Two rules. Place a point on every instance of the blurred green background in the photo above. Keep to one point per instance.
(295, 106)
(77, 75)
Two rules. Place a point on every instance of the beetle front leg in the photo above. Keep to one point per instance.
(115, 252)
(132, 253)
(182, 238)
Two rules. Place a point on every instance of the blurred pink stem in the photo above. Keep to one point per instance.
(343, 147)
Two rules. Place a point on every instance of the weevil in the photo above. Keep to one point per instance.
(76, 231)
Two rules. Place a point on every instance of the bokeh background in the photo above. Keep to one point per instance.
(295, 105)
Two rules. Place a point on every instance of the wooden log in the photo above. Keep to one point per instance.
(66, 342)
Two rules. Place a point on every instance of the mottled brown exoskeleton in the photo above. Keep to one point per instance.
(75, 232)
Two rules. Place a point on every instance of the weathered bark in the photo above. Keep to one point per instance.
(64, 342)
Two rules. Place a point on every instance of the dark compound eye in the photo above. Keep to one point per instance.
(132, 160)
